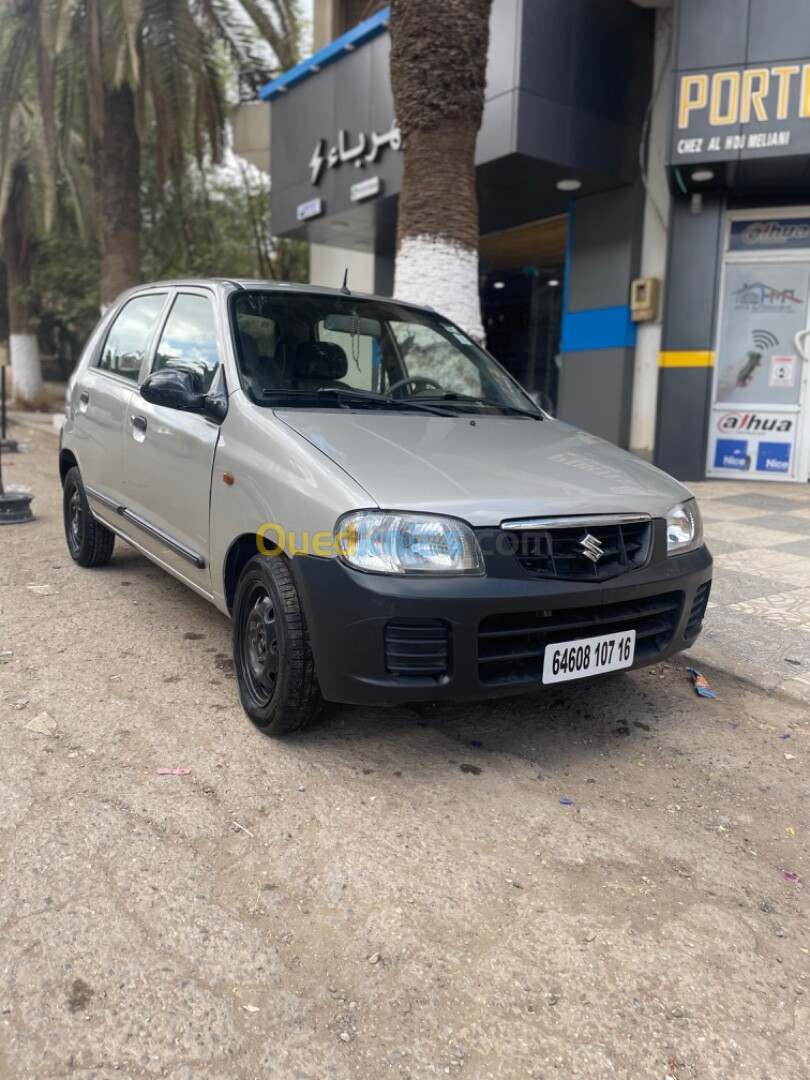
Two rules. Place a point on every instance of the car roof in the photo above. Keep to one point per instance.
(236, 284)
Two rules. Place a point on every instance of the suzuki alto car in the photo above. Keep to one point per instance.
(383, 512)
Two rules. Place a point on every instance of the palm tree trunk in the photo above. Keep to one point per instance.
(438, 74)
(26, 367)
(117, 175)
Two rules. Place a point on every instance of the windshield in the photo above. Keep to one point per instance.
(327, 351)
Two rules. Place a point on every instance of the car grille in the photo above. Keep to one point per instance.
(511, 647)
(417, 647)
(698, 609)
(558, 552)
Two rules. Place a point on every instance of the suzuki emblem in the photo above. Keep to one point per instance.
(591, 548)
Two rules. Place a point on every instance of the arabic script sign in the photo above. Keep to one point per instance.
(364, 152)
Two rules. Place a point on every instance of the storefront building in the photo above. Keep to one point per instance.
(579, 92)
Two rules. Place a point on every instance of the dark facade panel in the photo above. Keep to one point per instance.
(546, 48)
(590, 58)
(711, 33)
(692, 275)
(778, 30)
(683, 421)
(603, 252)
(592, 392)
(611, 61)
(733, 100)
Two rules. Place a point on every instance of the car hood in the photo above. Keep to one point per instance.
(485, 470)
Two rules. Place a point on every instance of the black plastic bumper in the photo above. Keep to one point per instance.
(351, 615)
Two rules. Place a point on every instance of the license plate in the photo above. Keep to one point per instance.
(588, 656)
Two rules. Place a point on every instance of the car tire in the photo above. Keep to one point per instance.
(272, 658)
(89, 542)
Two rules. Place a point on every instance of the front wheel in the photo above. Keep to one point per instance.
(89, 542)
(272, 659)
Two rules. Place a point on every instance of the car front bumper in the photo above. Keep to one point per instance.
(382, 640)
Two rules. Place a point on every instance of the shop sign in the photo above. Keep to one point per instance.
(755, 420)
(365, 151)
(757, 443)
(772, 234)
(718, 114)
(365, 189)
(312, 208)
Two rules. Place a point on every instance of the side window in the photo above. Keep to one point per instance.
(189, 340)
(130, 335)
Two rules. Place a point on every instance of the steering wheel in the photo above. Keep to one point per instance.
(418, 381)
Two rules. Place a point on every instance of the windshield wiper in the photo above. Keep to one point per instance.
(365, 397)
(452, 397)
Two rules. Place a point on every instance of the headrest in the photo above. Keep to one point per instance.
(250, 352)
(322, 360)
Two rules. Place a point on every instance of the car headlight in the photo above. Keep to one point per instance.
(384, 542)
(684, 528)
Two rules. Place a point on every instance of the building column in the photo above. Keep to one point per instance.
(654, 245)
(598, 336)
(687, 338)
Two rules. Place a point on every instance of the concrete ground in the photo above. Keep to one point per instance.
(395, 893)
(758, 623)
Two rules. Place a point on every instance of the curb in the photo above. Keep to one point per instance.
(705, 656)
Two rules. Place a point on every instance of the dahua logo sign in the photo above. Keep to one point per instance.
(734, 422)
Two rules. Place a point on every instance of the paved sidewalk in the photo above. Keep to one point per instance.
(758, 622)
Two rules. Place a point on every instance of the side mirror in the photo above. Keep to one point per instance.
(173, 389)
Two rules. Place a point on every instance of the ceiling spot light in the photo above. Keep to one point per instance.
(701, 175)
(498, 284)
(570, 184)
(342, 225)
(362, 244)
(554, 283)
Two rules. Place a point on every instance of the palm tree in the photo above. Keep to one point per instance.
(438, 75)
(126, 63)
(33, 161)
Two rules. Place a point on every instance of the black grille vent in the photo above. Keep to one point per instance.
(511, 647)
(558, 552)
(417, 647)
(698, 609)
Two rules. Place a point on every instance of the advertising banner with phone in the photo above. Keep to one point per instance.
(759, 382)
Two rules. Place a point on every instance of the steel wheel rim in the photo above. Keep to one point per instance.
(75, 518)
(259, 653)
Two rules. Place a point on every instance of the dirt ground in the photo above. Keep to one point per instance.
(393, 894)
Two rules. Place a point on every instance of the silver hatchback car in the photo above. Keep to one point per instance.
(383, 512)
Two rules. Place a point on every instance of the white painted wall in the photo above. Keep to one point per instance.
(654, 243)
(327, 266)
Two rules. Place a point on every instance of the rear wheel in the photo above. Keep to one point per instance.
(88, 541)
(275, 671)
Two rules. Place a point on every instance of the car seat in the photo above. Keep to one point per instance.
(260, 372)
(319, 363)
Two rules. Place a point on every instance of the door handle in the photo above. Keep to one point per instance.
(84, 397)
(139, 422)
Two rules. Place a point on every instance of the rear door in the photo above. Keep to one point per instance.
(101, 398)
(169, 454)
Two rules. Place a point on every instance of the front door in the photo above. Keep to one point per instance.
(169, 454)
